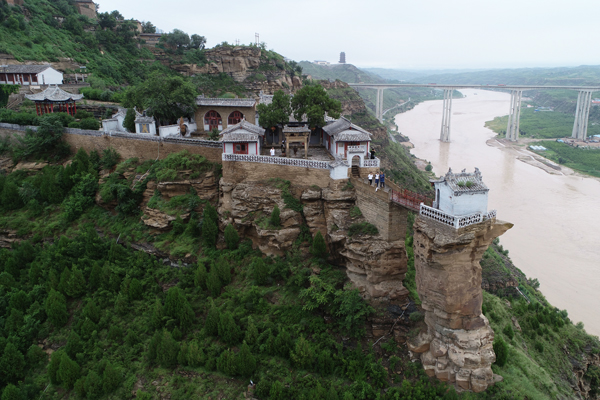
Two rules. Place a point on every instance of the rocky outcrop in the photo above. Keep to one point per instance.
(374, 265)
(581, 365)
(457, 346)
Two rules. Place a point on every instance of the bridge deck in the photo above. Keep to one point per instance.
(456, 86)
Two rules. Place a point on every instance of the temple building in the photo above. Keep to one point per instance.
(30, 75)
(221, 113)
(345, 140)
(461, 193)
(54, 100)
(242, 138)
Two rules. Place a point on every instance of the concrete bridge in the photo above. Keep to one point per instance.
(516, 91)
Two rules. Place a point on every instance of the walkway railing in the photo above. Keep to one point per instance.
(294, 162)
(372, 163)
(456, 222)
(410, 199)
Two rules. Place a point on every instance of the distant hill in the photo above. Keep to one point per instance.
(344, 72)
(411, 75)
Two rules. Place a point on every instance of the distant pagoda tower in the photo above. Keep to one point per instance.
(342, 58)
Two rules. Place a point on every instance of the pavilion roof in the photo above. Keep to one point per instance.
(345, 131)
(458, 182)
(244, 131)
(54, 93)
(211, 102)
(296, 129)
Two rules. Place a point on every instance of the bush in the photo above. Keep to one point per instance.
(508, 331)
(319, 248)
(110, 158)
(275, 218)
(246, 363)
(259, 270)
(501, 350)
(90, 124)
(416, 316)
(362, 228)
(231, 237)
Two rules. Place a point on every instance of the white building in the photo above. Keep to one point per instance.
(242, 138)
(30, 75)
(143, 124)
(461, 194)
(345, 140)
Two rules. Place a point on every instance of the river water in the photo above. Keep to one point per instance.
(557, 217)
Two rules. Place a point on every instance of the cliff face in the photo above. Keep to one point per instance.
(457, 346)
(375, 266)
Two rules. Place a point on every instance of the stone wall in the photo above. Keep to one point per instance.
(237, 172)
(389, 218)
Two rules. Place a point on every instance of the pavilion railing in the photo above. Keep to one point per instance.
(456, 222)
(371, 162)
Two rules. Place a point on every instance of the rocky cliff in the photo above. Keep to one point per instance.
(457, 345)
(375, 266)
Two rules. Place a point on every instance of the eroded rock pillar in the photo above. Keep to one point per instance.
(457, 346)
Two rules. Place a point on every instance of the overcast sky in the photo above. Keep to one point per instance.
(410, 34)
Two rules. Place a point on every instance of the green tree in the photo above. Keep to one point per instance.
(223, 269)
(129, 121)
(213, 283)
(121, 304)
(92, 311)
(319, 248)
(275, 218)
(246, 363)
(54, 365)
(276, 392)
(56, 308)
(168, 351)
(210, 230)
(251, 336)
(508, 331)
(12, 364)
(178, 308)
(74, 345)
(165, 97)
(177, 39)
(93, 385)
(43, 143)
(501, 350)
(200, 276)
(148, 27)
(314, 102)
(68, 372)
(111, 378)
(211, 325)
(276, 113)
(226, 363)
(303, 354)
(260, 270)
(135, 289)
(76, 284)
(231, 237)
(197, 42)
(157, 314)
(229, 331)
(195, 354)
(95, 277)
(11, 392)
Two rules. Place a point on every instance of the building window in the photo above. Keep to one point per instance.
(235, 118)
(240, 148)
(212, 119)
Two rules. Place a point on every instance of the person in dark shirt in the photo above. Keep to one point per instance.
(382, 179)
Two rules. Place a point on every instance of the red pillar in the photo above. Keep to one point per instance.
(74, 108)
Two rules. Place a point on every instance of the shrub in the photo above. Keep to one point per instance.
(319, 248)
(246, 364)
(229, 332)
(56, 308)
(362, 228)
(355, 212)
(211, 325)
(68, 372)
(508, 331)
(200, 276)
(210, 231)
(303, 354)
(226, 363)
(260, 271)
(110, 158)
(111, 378)
(416, 316)
(213, 283)
(231, 237)
(93, 385)
(275, 218)
(501, 350)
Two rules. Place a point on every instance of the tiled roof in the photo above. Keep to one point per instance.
(344, 128)
(24, 69)
(242, 132)
(352, 136)
(458, 182)
(210, 102)
(144, 120)
(54, 93)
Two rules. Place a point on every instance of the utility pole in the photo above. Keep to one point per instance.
(256, 39)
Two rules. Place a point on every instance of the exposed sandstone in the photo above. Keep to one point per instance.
(449, 285)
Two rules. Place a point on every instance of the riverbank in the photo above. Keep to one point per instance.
(555, 229)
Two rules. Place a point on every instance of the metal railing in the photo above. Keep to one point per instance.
(410, 199)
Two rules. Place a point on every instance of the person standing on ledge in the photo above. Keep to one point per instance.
(372, 154)
(370, 177)
(382, 179)
(272, 151)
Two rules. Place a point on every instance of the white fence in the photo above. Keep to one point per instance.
(294, 162)
(456, 222)
(372, 162)
(357, 149)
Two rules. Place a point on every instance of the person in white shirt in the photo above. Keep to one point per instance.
(370, 177)
(376, 181)
(272, 151)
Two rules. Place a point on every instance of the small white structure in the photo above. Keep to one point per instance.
(143, 124)
(27, 75)
(345, 140)
(115, 123)
(461, 194)
(242, 138)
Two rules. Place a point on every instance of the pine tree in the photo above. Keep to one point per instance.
(92, 311)
(154, 346)
(56, 309)
(260, 270)
(11, 392)
(231, 237)
(501, 350)
(200, 276)
(283, 343)
(35, 356)
(229, 332)
(157, 314)
(251, 336)
(63, 285)
(213, 283)
(211, 325)
(95, 277)
(135, 289)
(246, 363)
(173, 302)
(276, 392)
(74, 345)
(195, 354)
(168, 351)
(111, 378)
(68, 372)
(76, 285)
(223, 270)
(332, 394)
(93, 385)
(319, 248)
(12, 364)
(121, 304)
(210, 232)
(53, 366)
(226, 363)
(275, 218)
(129, 121)
(302, 355)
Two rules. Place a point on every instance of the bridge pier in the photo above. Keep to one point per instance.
(379, 105)
(446, 114)
(582, 114)
(514, 115)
